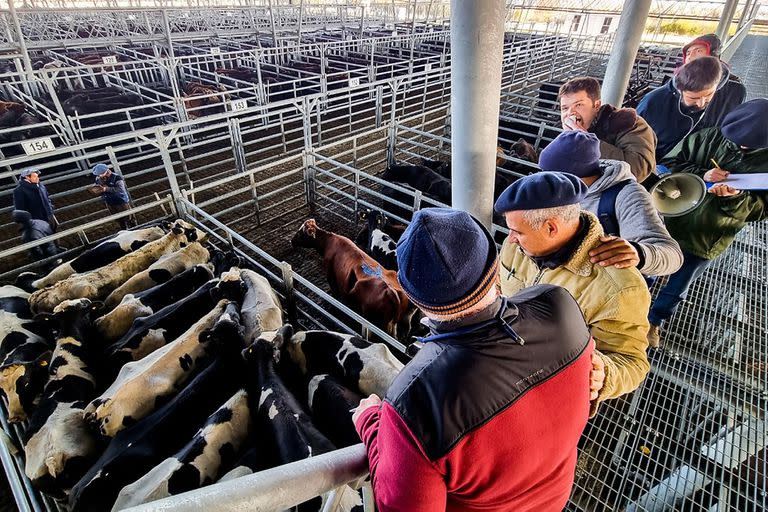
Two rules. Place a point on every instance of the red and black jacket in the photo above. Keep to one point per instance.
(488, 414)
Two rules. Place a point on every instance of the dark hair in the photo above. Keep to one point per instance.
(698, 75)
(582, 83)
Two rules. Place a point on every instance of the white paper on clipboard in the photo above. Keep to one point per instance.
(756, 181)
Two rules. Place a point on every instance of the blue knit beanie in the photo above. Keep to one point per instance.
(747, 124)
(447, 260)
(574, 152)
(99, 169)
(541, 190)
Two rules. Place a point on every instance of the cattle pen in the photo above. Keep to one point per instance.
(245, 121)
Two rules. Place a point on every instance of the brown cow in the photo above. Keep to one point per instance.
(358, 280)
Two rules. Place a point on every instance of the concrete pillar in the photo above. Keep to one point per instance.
(725, 19)
(624, 51)
(477, 40)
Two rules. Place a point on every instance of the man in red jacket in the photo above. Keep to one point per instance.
(487, 415)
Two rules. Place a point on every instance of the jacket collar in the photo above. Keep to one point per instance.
(579, 262)
(442, 327)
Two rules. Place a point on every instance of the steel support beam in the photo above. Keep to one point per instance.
(477, 41)
(624, 51)
(726, 18)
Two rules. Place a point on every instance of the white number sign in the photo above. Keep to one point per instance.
(394, 33)
(427, 67)
(110, 59)
(37, 146)
(354, 82)
(215, 50)
(238, 105)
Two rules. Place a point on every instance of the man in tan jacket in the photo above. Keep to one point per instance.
(549, 242)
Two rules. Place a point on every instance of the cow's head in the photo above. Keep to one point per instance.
(268, 345)
(230, 286)
(306, 236)
(188, 231)
(501, 156)
(524, 151)
(21, 384)
(72, 317)
(227, 331)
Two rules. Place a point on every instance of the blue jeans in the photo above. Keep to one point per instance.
(676, 289)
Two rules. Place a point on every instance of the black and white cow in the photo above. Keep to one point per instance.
(117, 322)
(24, 354)
(212, 448)
(160, 271)
(104, 253)
(140, 447)
(330, 404)
(143, 385)
(359, 365)
(261, 310)
(59, 447)
(99, 283)
(285, 432)
(375, 241)
(152, 332)
(198, 464)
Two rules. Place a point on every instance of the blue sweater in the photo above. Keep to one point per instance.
(662, 111)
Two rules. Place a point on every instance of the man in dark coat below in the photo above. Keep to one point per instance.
(623, 135)
(35, 229)
(31, 196)
(487, 416)
(699, 96)
(112, 189)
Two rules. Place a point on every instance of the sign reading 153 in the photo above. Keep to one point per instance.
(37, 146)
(238, 105)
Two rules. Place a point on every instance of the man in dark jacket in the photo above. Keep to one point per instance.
(35, 229)
(112, 189)
(31, 196)
(623, 135)
(488, 414)
(740, 146)
(699, 96)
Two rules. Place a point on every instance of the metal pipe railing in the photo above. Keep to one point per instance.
(274, 489)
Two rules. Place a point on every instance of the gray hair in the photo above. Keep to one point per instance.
(536, 218)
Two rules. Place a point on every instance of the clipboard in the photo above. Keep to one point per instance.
(755, 181)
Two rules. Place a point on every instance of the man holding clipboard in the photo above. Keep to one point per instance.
(733, 161)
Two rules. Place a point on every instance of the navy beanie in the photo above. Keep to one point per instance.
(541, 190)
(574, 152)
(447, 261)
(747, 124)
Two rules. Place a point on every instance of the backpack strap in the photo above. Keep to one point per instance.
(606, 208)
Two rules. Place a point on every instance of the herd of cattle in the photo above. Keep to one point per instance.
(153, 364)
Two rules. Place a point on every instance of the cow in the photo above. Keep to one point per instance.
(359, 365)
(330, 404)
(103, 254)
(59, 447)
(440, 167)
(261, 310)
(99, 283)
(421, 178)
(152, 332)
(141, 446)
(24, 354)
(143, 385)
(285, 432)
(198, 463)
(358, 280)
(160, 271)
(117, 322)
(373, 239)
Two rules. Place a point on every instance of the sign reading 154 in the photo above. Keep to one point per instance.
(37, 146)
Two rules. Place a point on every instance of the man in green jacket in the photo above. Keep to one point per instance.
(550, 237)
(739, 146)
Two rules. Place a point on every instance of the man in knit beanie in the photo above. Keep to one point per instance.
(717, 155)
(488, 414)
(550, 238)
(635, 235)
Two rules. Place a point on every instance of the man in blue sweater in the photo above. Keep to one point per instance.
(698, 96)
